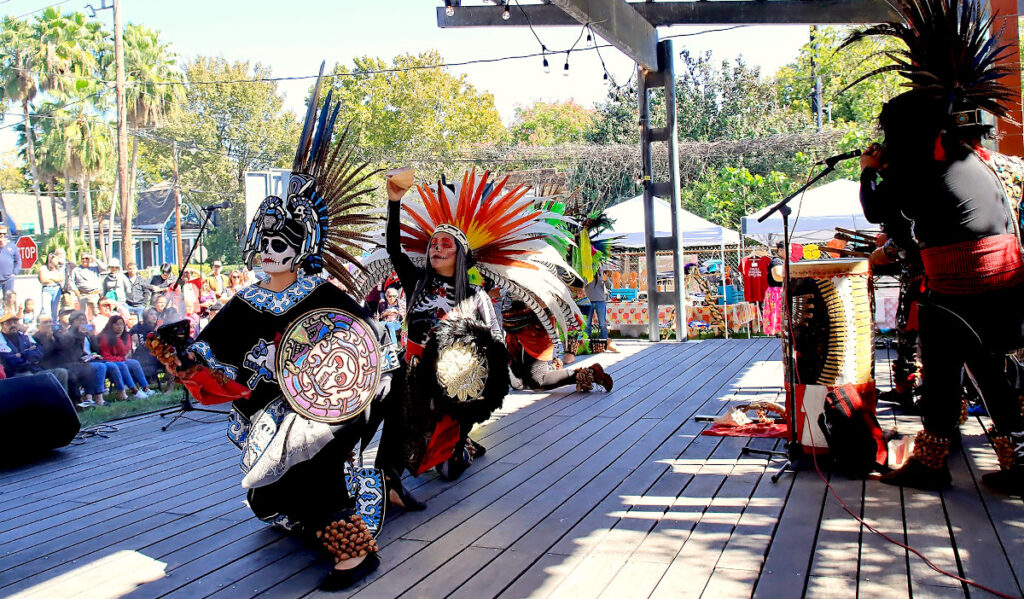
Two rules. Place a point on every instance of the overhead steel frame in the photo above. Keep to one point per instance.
(631, 27)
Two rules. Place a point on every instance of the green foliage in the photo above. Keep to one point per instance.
(838, 69)
(550, 123)
(115, 409)
(233, 127)
(728, 101)
(425, 111)
(12, 175)
(727, 194)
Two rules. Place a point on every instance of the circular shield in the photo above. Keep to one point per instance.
(328, 364)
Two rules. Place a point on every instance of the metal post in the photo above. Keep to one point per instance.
(665, 77)
(668, 73)
(725, 294)
(647, 163)
(177, 206)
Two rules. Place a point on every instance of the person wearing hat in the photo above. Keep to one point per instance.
(107, 308)
(85, 283)
(163, 279)
(21, 355)
(10, 261)
(115, 285)
(218, 280)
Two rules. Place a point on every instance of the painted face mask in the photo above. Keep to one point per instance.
(442, 251)
(276, 255)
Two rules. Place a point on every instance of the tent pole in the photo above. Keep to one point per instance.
(725, 294)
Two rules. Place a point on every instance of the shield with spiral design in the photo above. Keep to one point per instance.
(328, 364)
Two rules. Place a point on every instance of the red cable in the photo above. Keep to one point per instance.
(927, 561)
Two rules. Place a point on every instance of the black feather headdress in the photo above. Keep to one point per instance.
(949, 55)
(324, 208)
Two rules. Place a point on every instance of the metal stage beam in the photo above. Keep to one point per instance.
(659, 14)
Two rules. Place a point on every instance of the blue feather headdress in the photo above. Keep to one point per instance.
(323, 203)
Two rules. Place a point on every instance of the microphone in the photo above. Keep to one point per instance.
(222, 205)
(834, 160)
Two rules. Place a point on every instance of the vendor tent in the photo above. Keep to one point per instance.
(815, 215)
(629, 223)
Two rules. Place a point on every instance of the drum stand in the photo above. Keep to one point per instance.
(794, 450)
(186, 406)
(186, 402)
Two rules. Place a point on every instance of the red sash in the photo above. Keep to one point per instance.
(972, 267)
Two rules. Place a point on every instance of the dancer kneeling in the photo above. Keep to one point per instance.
(531, 352)
(300, 359)
(455, 371)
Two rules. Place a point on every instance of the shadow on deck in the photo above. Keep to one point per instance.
(602, 495)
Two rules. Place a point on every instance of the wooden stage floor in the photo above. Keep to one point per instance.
(602, 495)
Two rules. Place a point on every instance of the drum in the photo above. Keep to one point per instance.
(832, 339)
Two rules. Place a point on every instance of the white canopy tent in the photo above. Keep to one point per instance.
(628, 217)
(815, 214)
(629, 223)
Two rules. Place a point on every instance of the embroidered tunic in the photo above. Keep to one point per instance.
(240, 342)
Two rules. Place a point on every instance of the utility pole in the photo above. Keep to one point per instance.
(816, 106)
(122, 127)
(177, 206)
(123, 188)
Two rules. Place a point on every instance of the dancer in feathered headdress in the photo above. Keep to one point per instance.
(300, 358)
(931, 170)
(456, 361)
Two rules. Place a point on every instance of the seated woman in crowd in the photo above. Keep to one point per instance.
(391, 311)
(115, 345)
(150, 366)
(77, 346)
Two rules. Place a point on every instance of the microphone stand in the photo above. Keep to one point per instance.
(794, 450)
(186, 402)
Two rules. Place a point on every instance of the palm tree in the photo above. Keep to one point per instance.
(20, 49)
(72, 50)
(55, 151)
(150, 66)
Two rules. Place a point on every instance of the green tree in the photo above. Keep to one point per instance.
(550, 123)
(838, 69)
(424, 111)
(150, 96)
(224, 129)
(12, 175)
(19, 68)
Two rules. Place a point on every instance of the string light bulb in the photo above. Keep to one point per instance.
(547, 65)
(506, 14)
(565, 69)
(590, 39)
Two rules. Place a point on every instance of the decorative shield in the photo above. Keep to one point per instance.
(328, 364)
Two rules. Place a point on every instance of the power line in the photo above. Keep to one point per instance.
(32, 12)
(463, 63)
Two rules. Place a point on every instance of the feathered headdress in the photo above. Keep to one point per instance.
(949, 56)
(505, 233)
(590, 251)
(320, 212)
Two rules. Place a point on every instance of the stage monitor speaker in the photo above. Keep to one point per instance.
(36, 413)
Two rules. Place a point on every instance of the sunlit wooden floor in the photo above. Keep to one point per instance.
(611, 495)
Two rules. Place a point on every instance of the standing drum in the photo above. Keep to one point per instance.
(832, 339)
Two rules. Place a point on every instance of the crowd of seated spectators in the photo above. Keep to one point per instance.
(93, 321)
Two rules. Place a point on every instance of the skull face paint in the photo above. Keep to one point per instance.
(276, 255)
(442, 254)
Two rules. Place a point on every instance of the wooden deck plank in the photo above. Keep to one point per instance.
(534, 544)
(979, 548)
(591, 495)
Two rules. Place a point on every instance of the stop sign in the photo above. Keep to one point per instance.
(28, 250)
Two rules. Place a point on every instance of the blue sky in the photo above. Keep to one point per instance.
(293, 37)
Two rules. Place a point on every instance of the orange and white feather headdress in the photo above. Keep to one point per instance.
(505, 233)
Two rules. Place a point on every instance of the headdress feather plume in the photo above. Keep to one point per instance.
(949, 53)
